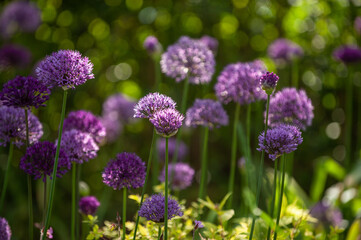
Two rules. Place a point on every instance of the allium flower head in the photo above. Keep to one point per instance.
(188, 58)
(348, 54)
(182, 149)
(152, 45)
(290, 106)
(87, 122)
(12, 55)
(357, 25)
(24, 92)
(113, 128)
(210, 42)
(79, 146)
(207, 113)
(153, 208)
(181, 175)
(326, 214)
(239, 83)
(126, 170)
(88, 205)
(269, 82)
(5, 231)
(118, 107)
(65, 68)
(13, 126)
(167, 122)
(280, 140)
(39, 160)
(152, 103)
(283, 50)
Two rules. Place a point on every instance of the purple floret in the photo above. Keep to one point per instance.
(269, 82)
(326, 214)
(167, 122)
(280, 140)
(65, 68)
(5, 231)
(198, 225)
(290, 106)
(24, 92)
(210, 42)
(284, 50)
(126, 170)
(153, 208)
(207, 113)
(188, 58)
(39, 161)
(182, 149)
(88, 205)
(152, 103)
(16, 56)
(240, 83)
(181, 175)
(348, 54)
(152, 45)
(118, 107)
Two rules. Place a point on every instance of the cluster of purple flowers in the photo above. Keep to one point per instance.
(326, 214)
(167, 122)
(182, 149)
(152, 45)
(88, 205)
(348, 54)
(5, 231)
(16, 56)
(181, 175)
(152, 103)
(210, 42)
(283, 50)
(269, 82)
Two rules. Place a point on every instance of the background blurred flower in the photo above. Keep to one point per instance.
(5, 231)
(152, 45)
(326, 214)
(88, 205)
(167, 122)
(283, 50)
(181, 175)
(347, 54)
(182, 149)
(357, 25)
(118, 107)
(16, 56)
(113, 129)
(210, 42)
(150, 104)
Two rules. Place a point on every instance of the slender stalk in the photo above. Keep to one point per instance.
(248, 158)
(233, 155)
(6, 178)
(53, 180)
(77, 223)
(73, 200)
(273, 198)
(158, 76)
(44, 199)
(281, 194)
(149, 164)
(204, 164)
(159, 232)
(260, 172)
(124, 210)
(166, 192)
(30, 191)
(348, 141)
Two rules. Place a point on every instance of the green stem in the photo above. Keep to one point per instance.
(233, 155)
(260, 171)
(166, 192)
(204, 164)
(44, 203)
(348, 141)
(294, 73)
(77, 223)
(124, 210)
(149, 164)
(158, 76)
(281, 195)
(248, 158)
(53, 180)
(273, 197)
(30, 191)
(159, 232)
(73, 200)
(6, 178)
(185, 95)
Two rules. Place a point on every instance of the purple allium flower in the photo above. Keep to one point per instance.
(85, 121)
(239, 83)
(357, 25)
(39, 160)
(167, 122)
(198, 225)
(24, 92)
(153, 208)
(12, 55)
(269, 82)
(65, 68)
(290, 106)
(19, 15)
(347, 54)
(181, 175)
(152, 103)
(113, 128)
(280, 140)
(126, 170)
(210, 42)
(188, 58)
(182, 149)
(207, 113)
(79, 146)
(5, 231)
(326, 214)
(118, 107)
(13, 127)
(284, 50)
(152, 45)
(88, 205)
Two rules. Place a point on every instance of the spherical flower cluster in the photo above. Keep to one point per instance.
(14, 56)
(88, 205)
(284, 50)
(13, 126)
(118, 107)
(357, 25)
(207, 113)
(5, 231)
(152, 45)
(210, 42)
(326, 214)
(152, 103)
(85, 122)
(348, 54)
(188, 58)
(182, 149)
(280, 140)
(291, 106)
(269, 82)
(24, 92)
(153, 208)
(79, 146)
(126, 170)
(39, 160)
(112, 128)
(180, 175)
(167, 122)
(240, 83)
(65, 68)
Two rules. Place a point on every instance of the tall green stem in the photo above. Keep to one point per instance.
(44, 199)
(260, 171)
(159, 232)
(273, 197)
(348, 141)
(6, 178)
(204, 164)
(166, 192)
(73, 200)
(53, 180)
(30, 188)
(124, 210)
(248, 158)
(281, 195)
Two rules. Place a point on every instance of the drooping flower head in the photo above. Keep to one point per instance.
(24, 92)
(152, 45)
(16, 56)
(347, 54)
(207, 113)
(182, 149)
(269, 82)
(79, 146)
(357, 25)
(290, 106)
(210, 42)
(326, 214)
(280, 140)
(87, 122)
(39, 160)
(5, 231)
(65, 68)
(118, 107)
(152, 103)
(181, 175)
(113, 128)
(283, 50)
(167, 122)
(153, 208)
(88, 205)
(13, 126)
(240, 83)
(126, 170)
(188, 58)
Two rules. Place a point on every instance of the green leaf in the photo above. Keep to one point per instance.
(224, 216)
(224, 200)
(354, 231)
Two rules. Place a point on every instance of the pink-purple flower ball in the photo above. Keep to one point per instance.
(14, 56)
(152, 103)
(180, 175)
(5, 231)
(88, 205)
(167, 122)
(210, 42)
(283, 50)
(269, 82)
(347, 54)
(152, 45)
